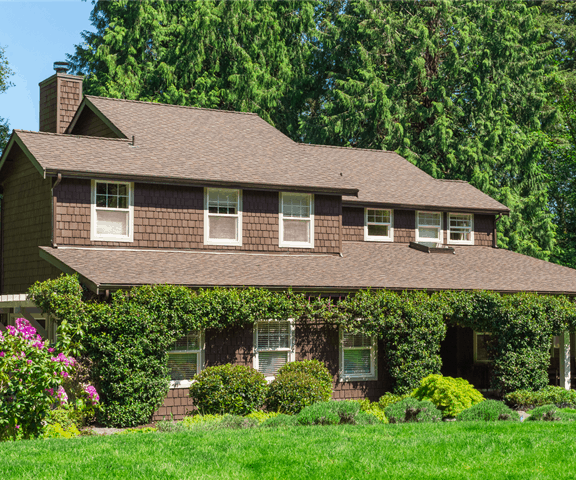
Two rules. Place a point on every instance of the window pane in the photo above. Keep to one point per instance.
(378, 216)
(270, 362)
(430, 219)
(101, 200)
(461, 221)
(459, 236)
(111, 223)
(182, 366)
(222, 201)
(296, 231)
(273, 335)
(425, 232)
(123, 189)
(223, 227)
(481, 350)
(356, 362)
(112, 189)
(112, 202)
(357, 340)
(296, 205)
(101, 189)
(378, 230)
(122, 202)
(191, 341)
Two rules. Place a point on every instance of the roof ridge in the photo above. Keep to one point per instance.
(452, 180)
(348, 148)
(171, 105)
(68, 135)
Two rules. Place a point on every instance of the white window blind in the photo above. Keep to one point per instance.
(274, 346)
(429, 227)
(185, 357)
(296, 219)
(223, 218)
(460, 228)
(111, 211)
(358, 356)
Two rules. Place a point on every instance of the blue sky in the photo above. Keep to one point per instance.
(35, 35)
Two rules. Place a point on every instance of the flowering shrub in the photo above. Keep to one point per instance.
(31, 381)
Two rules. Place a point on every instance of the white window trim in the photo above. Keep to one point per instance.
(212, 241)
(441, 230)
(476, 347)
(281, 225)
(291, 350)
(461, 242)
(376, 238)
(95, 237)
(373, 375)
(201, 353)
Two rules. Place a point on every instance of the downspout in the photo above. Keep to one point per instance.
(495, 233)
(54, 209)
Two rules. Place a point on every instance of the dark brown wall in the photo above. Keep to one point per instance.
(60, 96)
(27, 224)
(483, 230)
(318, 342)
(90, 124)
(404, 226)
(173, 217)
(48, 107)
(353, 225)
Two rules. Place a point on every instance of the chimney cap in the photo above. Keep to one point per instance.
(61, 67)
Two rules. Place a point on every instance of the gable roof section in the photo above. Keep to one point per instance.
(363, 265)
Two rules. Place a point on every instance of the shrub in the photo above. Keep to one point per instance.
(195, 420)
(373, 409)
(330, 413)
(232, 389)
(236, 422)
(262, 416)
(550, 413)
(390, 398)
(365, 418)
(281, 420)
(450, 395)
(413, 410)
(130, 431)
(292, 391)
(488, 411)
(315, 369)
(170, 426)
(526, 399)
(56, 430)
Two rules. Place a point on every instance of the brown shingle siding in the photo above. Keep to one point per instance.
(483, 230)
(404, 226)
(90, 124)
(353, 225)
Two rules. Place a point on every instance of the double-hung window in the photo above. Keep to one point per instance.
(297, 220)
(223, 217)
(186, 359)
(273, 346)
(461, 228)
(112, 216)
(358, 357)
(429, 228)
(378, 225)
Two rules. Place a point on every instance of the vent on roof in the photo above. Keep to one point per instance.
(430, 247)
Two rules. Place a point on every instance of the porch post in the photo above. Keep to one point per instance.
(565, 360)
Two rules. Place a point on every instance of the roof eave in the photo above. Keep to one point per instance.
(414, 206)
(14, 138)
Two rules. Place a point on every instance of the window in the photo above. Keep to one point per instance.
(223, 217)
(461, 228)
(273, 346)
(480, 349)
(186, 359)
(112, 216)
(378, 225)
(297, 220)
(429, 228)
(357, 357)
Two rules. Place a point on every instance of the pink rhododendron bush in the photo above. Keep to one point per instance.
(34, 380)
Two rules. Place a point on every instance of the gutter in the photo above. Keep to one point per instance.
(412, 206)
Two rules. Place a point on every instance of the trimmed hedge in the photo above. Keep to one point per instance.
(488, 411)
(315, 369)
(550, 413)
(230, 389)
(331, 413)
(292, 391)
(526, 399)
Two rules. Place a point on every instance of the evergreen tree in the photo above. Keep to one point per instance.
(458, 88)
(236, 55)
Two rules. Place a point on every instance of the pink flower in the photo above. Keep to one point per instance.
(29, 362)
(50, 391)
(62, 396)
(2, 354)
(51, 350)
(91, 391)
(64, 374)
(17, 427)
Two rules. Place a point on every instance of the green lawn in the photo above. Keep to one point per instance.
(445, 450)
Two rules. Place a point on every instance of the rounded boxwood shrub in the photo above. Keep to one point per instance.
(315, 369)
(450, 395)
(231, 389)
(292, 391)
(413, 410)
(488, 411)
(558, 396)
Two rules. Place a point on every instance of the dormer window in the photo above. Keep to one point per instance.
(378, 225)
(297, 220)
(429, 228)
(112, 216)
(223, 217)
(461, 229)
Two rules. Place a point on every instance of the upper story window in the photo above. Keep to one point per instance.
(112, 217)
(429, 228)
(273, 346)
(378, 225)
(297, 220)
(186, 359)
(461, 228)
(223, 217)
(358, 356)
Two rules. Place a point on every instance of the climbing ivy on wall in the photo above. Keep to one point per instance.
(128, 337)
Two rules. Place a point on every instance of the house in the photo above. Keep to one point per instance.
(128, 193)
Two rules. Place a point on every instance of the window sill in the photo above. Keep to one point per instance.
(224, 243)
(452, 242)
(378, 239)
(112, 239)
(296, 245)
(360, 378)
(174, 384)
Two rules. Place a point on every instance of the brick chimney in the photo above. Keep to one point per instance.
(60, 96)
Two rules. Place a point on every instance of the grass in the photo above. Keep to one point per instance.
(459, 450)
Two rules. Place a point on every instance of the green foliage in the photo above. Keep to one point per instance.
(170, 426)
(390, 398)
(194, 420)
(262, 416)
(526, 399)
(412, 410)
(55, 430)
(233, 389)
(550, 413)
(370, 418)
(450, 395)
(292, 391)
(281, 420)
(315, 369)
(488, 411)
(373, 409)
(330, 413)
(236, 422)
(130, 431)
